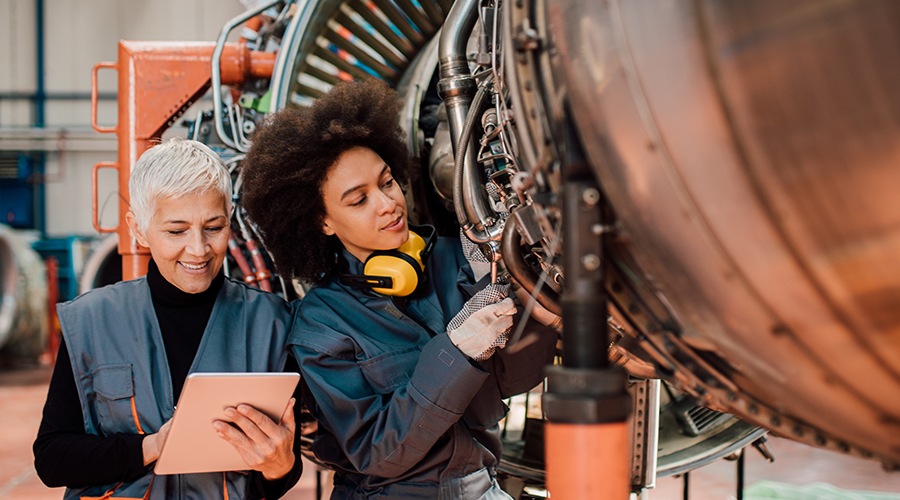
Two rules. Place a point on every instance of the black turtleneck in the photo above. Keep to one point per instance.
(182, 319)
(66, 456)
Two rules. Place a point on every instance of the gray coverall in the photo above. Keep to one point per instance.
(402, 412)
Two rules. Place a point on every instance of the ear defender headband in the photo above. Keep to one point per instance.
(396, 272)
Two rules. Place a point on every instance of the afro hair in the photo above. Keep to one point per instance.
(292, 153)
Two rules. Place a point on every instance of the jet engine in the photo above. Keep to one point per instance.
(712, 180)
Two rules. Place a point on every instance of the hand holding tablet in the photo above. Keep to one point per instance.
(237, 401)
(264, 444)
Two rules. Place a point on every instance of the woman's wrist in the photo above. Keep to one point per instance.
(277, 473)
(150, 448)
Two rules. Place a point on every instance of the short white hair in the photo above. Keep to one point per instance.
(175, 168)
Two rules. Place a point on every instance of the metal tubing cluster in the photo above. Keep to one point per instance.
(457, 88)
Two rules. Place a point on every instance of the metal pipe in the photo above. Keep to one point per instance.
(263, 275)
(459, 167)
(522, 272)
(58, 96)
(40, 218)
(39, 95)
(216, 71)
(254, 230)
(456, 30)
(243, 265)
(457, 88)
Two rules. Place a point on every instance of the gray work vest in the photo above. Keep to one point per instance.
(117, 353)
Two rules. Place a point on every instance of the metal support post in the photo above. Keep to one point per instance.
(586, 403)
(318, 483)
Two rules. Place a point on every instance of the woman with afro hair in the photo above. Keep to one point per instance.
(407, 390)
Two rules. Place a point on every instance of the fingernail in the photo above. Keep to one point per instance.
(243, 409)
(218, 426)
(230, 412)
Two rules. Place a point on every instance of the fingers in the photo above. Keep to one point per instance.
(164, 433)
(152, 444)
(248, 440)
(287, 418)
(505, 307)
(503, 323)
(254, 429)
(264, 445)
(231, 434)
(250, 417)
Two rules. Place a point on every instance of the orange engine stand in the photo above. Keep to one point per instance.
(157, 82)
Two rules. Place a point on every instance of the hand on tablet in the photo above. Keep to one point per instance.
(153, 443)
(264, 445)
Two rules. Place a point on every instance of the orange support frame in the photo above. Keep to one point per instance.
(157, 82)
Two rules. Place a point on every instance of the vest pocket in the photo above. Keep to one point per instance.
(113, 391)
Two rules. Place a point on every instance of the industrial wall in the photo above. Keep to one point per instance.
(47, 147)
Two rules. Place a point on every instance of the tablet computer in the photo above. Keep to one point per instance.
(192, 444)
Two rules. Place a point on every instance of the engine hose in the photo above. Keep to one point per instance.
(249, 275)
(522, 272)
(460, 159)
(262, 273)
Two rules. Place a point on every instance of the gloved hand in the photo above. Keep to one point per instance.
(483, 324)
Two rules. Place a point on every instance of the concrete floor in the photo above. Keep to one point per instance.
(22, 393)
(795, 464)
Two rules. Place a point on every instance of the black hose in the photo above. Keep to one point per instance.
(461, 150)
(522, 272)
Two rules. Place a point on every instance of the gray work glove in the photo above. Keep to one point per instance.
(484, 323)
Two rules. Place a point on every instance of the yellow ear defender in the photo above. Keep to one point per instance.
(396, 272)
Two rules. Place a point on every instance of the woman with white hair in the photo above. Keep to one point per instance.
(128, 348)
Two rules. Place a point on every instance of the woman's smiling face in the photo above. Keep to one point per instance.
(187, 237)
(364, 205)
